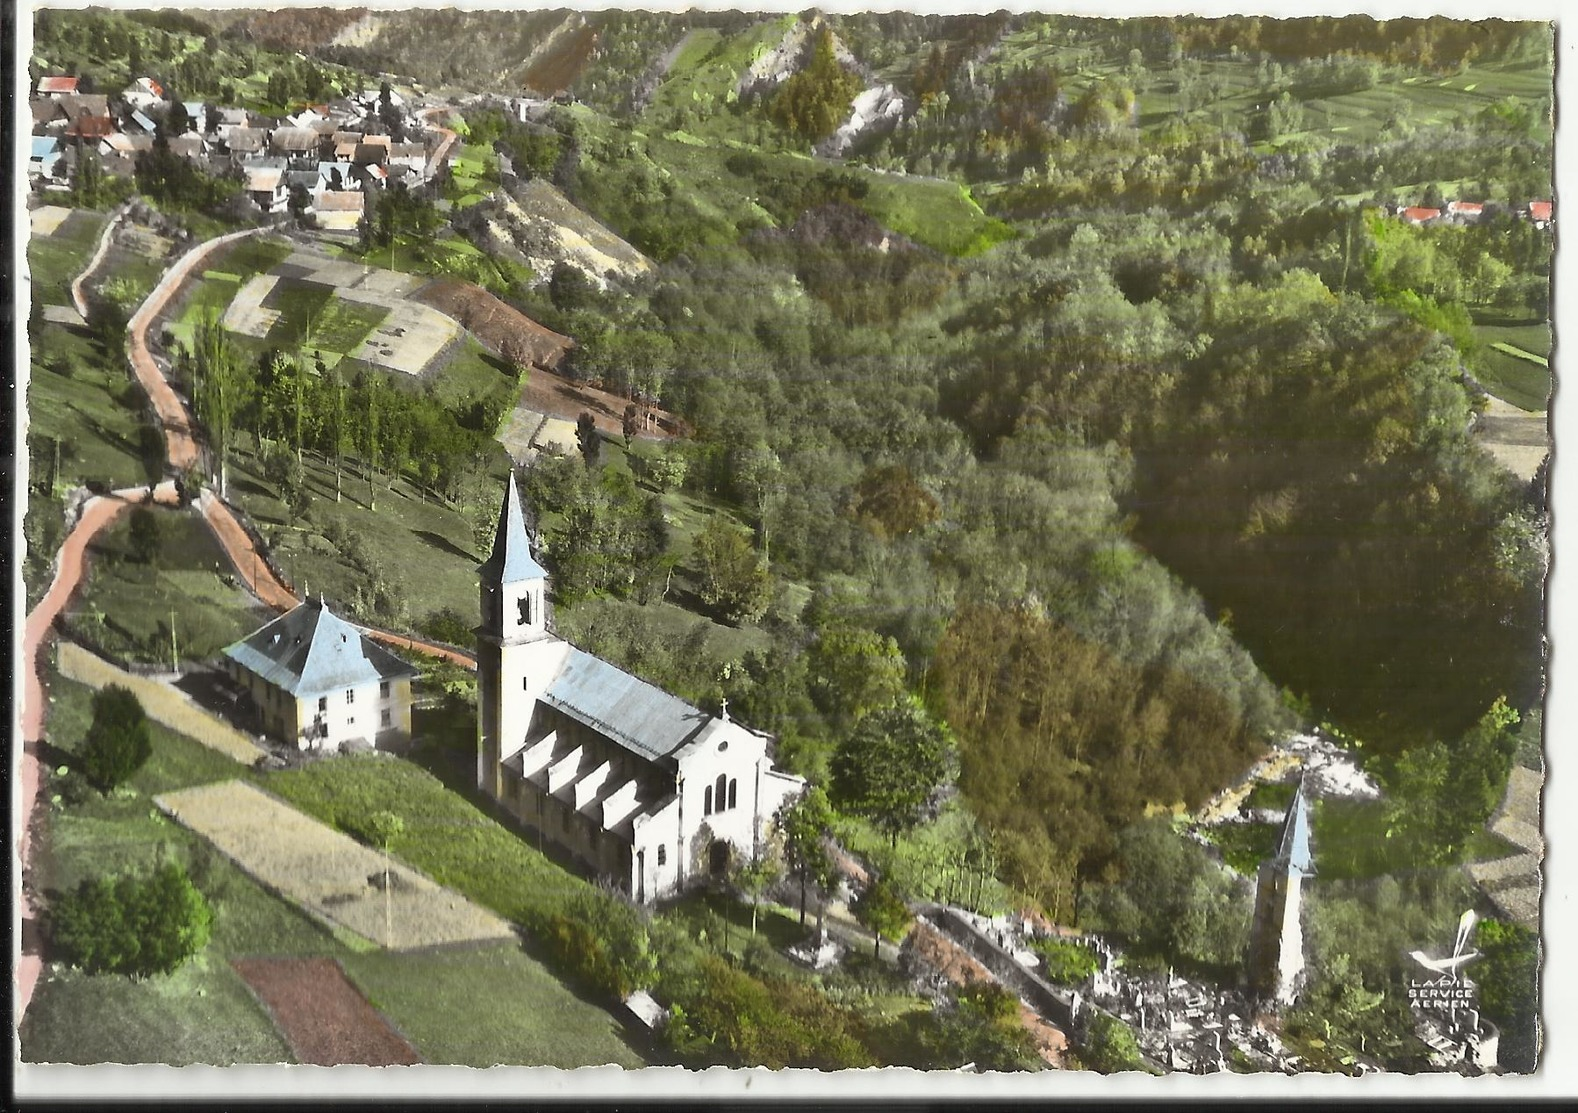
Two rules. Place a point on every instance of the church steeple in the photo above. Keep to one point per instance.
(511, 560)
(514, 586)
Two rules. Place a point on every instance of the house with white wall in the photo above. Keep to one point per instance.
(318, 683)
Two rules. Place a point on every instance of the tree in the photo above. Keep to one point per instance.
(979, 1023)
(119, 741)
(587, 438)
(385, 827)
(813, 102)
(133, 925)
(853, 671)
(218, 392)
(755, 878)
(144, 535)
(881, 909)
(891, 765)
(733, 578)
(805, 822)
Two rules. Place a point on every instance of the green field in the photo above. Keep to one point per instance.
(229, 270)
(127, 607)
(470, 1006)
(1511, 363)
(706, 72)
(313, 318)
(55, 260)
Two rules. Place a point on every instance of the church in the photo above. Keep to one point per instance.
(636, 784)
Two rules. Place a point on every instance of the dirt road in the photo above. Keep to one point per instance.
(97, 514)
(181, 450)
(79, 285)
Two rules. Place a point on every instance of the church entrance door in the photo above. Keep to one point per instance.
(718, 857)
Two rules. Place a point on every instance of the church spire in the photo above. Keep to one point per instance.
(1293, 848)
(511, 560)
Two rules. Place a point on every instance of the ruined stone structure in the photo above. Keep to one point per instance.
(1276, 950)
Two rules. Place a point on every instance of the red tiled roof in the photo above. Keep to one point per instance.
(1540, 210)
(1421, 214)
(1469, 208)
(57, 85)
(91, 127)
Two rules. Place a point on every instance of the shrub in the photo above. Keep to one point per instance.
(602, 942)
(1110, 1045)
(119, 741)
(1066, 963)
(132, 925)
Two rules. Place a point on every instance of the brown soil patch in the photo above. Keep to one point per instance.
(493, 321)
(558, 67)
(321, 1014)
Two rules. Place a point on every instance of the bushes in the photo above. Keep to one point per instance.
(132, 925)
(602, 941)
(1066, 963)
(119, 742)
(1110, 1045)
(725, 1016)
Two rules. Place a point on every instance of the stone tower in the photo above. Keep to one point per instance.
(514, 620)
(1276, 950)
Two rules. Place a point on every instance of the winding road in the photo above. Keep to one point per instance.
(182, 451)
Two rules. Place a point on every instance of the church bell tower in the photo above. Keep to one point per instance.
(514, 605)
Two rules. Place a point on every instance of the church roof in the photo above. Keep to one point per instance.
(310, 651)
(640, 717)
(1293, 848)
(511, 560)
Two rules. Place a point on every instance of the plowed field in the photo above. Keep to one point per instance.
(321, 1014)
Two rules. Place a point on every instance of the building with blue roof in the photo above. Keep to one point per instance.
(318, 683)
(641, 787)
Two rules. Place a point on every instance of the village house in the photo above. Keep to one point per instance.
(244, 143)
(1543, 213)
(334, 211)
(1464, 212)
(1416, 214)
(45, 158)
(143, 94)
(638, 785)
(317, 683)
(266, 184)
(57, 86)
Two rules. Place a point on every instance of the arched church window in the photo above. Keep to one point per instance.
(706, 805)
(723, 787)
(734, 785)
(525, 608)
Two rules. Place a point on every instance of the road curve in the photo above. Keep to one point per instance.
(79, 284)
(180, 442)
(97, 514)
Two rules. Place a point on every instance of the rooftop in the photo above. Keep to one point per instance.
(640, 717)
(310, 651)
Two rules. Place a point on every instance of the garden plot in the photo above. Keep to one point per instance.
(46, 218)
(247, 314)
(330, 874)
(321, 1014)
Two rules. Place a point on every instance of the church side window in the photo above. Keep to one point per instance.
(719, 793)
(734, 785)
(662, 855)
(525, 610)
(706, 801)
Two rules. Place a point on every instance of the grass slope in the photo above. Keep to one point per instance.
(82, 396)
(188, 581)
(56, 259)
